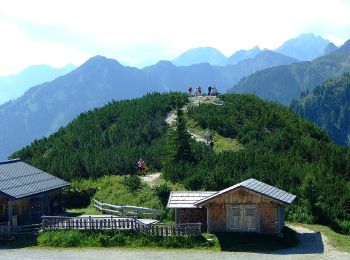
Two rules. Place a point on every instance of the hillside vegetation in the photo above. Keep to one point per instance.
(106, 141)
(328, 106)
(278, 147)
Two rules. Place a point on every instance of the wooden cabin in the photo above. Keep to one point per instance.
(249, 206)
(26, 194)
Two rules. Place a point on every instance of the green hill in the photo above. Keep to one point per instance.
(278, 147)
(328, 106)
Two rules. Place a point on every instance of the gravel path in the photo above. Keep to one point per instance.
(313, 245)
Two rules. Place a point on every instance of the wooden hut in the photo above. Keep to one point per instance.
(27, 193)
(249, 206)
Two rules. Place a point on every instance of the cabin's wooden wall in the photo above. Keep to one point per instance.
(267, 210)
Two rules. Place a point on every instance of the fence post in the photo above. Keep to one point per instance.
(43, 222)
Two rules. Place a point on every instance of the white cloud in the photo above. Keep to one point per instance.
(133, 30)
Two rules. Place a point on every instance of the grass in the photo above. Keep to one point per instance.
(220, 143)
(90, 210)
(129, 239)
(339, 241)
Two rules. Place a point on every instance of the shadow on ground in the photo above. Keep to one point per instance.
(253, 242)
(21, 241)
(310, 243)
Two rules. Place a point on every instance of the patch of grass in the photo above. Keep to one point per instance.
(339, 241)
(90, 210)
(220, 143)
(252, 242)
(91, 238)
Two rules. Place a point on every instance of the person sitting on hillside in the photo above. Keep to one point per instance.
(141, 165)
(207, 136)
(211, 144)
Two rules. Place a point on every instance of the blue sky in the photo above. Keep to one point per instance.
(134, 31)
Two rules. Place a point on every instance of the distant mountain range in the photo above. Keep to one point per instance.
(305, 47)
(284, 83)
(328, 106)
(14, 86)
(46, 107)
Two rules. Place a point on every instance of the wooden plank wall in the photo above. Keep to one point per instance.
(219, 210)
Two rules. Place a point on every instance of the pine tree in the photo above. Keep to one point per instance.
(178, 149)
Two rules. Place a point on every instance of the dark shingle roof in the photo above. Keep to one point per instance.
(256, 186)
(19, 179)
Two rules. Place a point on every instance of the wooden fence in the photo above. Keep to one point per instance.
(5, 229)
(116, 223)
(126, 211)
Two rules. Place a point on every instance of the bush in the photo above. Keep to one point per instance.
(93, 238)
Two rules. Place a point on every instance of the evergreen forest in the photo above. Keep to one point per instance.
(279, 148)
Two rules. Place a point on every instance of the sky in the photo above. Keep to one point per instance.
(139, 32)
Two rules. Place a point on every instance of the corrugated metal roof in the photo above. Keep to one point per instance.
(19, 179)
(257, 186)
(186, 199)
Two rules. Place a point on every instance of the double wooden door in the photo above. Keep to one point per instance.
(243, 218)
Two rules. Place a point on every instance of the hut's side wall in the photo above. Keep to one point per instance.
(193, 215)
(266, 212)
(268, 219)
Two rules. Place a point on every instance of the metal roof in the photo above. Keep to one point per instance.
(186, 199)
(256, 186)
(19, 179)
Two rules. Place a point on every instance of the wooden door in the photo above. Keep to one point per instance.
(250, 218)
(236, 218)
(243, 218)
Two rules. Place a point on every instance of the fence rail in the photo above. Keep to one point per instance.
(5, 229)
(115, 223)
(126, 211)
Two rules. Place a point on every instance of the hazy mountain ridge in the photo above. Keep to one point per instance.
(13, 86)
(284, 83)
(46, 107)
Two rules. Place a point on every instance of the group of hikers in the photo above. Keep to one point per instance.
(212, 91)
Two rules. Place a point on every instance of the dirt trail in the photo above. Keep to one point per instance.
(152, 179)
(194, 101)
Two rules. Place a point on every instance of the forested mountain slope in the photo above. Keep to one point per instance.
(328, 106)
(279, 148)
(45, 108)
(285, 83)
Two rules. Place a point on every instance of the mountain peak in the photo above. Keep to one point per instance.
(200, 55)
(345, 48)
(243, 55)
(305, 47)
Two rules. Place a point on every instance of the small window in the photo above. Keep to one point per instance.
(236, 212)
(249, 212)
